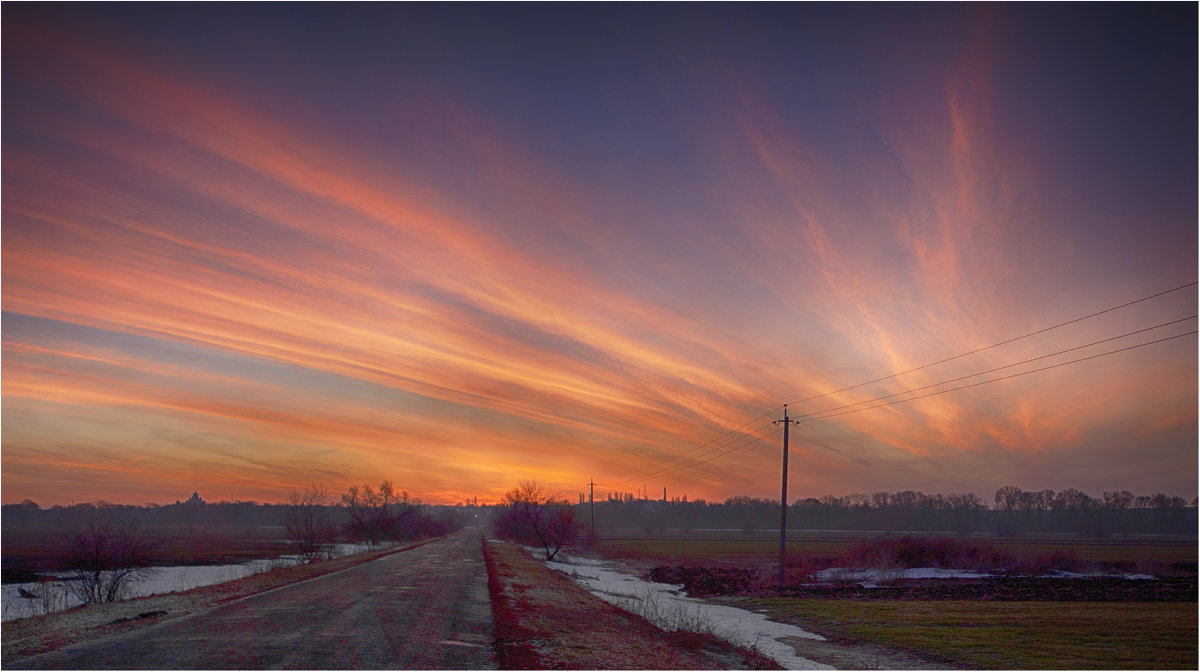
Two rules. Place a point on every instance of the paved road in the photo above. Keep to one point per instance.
(426, 608)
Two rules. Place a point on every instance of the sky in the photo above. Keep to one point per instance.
(248, 248)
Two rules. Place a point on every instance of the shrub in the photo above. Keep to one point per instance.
(103, 559)
(1034, 565)
(699, 581)
(306, 520)
(909, 552)
(383, 514)
(528, 515)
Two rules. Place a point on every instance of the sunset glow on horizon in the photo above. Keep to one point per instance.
(247, 248)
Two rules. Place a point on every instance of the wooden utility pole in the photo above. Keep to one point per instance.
(783, 497)
(592, 504)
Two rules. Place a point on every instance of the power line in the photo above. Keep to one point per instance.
(663, 467)
(1000, 368)
(692, 450)
(709, 455)
(996, 345)
(712, 453)
(821, 415)
(996, 380)
(745, 439)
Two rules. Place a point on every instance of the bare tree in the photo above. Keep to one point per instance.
(307, 520)
(1045, 500)
(1073, 499)
(1118, 499)
(857, 500)
(528, 514)
(966, 501)
(404, 516)
(103, 559)
(381, 514)
(1009, 498)
(358, 504)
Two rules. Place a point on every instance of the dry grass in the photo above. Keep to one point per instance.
(728, 551)
(811, 551)
(30, 636)
(42, 547)
(1009, 635)
(544, 621)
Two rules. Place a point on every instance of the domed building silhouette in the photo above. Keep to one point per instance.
(194, 500)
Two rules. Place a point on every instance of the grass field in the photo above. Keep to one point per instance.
(1009, 635)
(983, 634)
(28, 551)
(1141, 554)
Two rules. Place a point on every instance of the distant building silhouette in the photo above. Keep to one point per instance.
(194, 500)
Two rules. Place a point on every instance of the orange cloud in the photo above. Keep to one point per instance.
(188, 214)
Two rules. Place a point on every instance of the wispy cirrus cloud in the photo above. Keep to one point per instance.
(464, 301)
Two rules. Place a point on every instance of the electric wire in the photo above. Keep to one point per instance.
(697, 461)
(734, 449)
(712, 454)
(821, 415)
(998, 368)
(1008, 377)
(1006, 342)
(692, 450)
(662, 467)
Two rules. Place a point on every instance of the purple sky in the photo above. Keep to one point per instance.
(251, 247)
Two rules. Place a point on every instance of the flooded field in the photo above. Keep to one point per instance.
(23, 600)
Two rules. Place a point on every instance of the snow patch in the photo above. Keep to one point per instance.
(870, 578)
(670, 608)
(23, 600)
(1061, 574)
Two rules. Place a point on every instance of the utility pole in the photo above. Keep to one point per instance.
(783, 497)
(592, 504)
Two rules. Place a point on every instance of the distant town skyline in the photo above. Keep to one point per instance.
(247, 248)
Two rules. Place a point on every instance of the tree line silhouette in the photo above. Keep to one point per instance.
(373, 514)
(104, 547)
(367, 513)
(1013, 511)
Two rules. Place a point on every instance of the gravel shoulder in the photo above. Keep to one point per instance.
(32, 636)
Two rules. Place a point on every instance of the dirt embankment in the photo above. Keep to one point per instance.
(545, 621)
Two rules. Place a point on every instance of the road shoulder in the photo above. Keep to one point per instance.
(545, 621)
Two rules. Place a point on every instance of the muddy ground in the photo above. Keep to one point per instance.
(710, 581)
